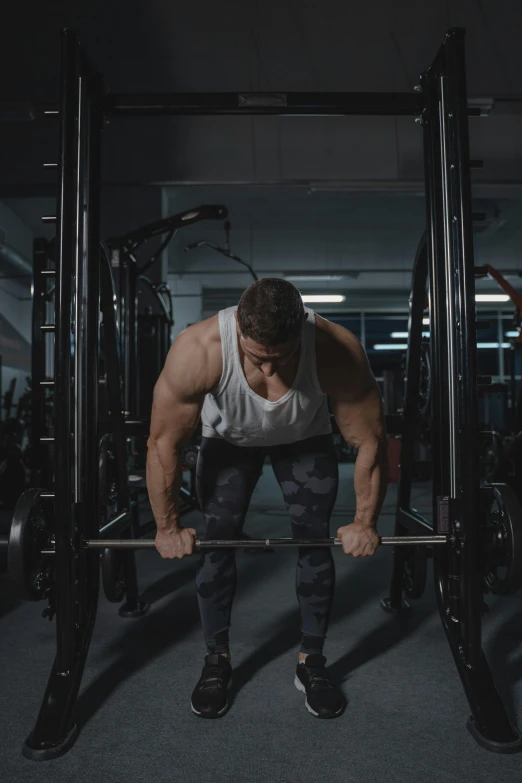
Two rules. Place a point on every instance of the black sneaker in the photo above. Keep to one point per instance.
(210, 696)
(324, 699)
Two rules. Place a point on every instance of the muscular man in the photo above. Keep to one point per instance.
(259, 375)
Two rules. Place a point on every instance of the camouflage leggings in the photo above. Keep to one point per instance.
(226, 476)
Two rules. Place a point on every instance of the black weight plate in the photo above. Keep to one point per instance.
(190, 458)
(506, 552)
(11, 432)
(113, 575)
(489, 456)
(425, 380)
(107, 477)
(415, 572)
(13, 478)
(30, 533)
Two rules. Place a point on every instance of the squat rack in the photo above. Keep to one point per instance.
(441, 105)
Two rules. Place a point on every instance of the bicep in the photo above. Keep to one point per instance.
(175, 414)
(355, 397)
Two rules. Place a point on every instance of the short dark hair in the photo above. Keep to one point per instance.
(270, 311)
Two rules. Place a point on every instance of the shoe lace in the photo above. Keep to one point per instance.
(319, 678)
(211, 676)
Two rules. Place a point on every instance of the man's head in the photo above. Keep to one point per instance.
(270, 315)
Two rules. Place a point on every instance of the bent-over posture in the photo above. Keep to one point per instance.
(260, 376)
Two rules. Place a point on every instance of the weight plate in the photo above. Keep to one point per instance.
(13, 479)
(107, 475)
(425, 380)
(489, 455)
(31, 532)
(190, 458)
(503, 542)
(11, 433)
(415, 571)
(113, 575)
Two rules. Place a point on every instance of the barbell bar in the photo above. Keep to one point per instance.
(260, 543)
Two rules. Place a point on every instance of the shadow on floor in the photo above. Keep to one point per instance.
(179, 577)
(357, 590)
(170, 583)
(8, 601)
(157, 632)
(504, 654)
(152, 635)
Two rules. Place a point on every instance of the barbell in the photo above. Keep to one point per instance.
(259, 543)
(30, 545)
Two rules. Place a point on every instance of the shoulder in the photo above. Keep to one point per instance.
(335, 343)
(342, 362)
(194, 358)
(204, 334)
(333, 337)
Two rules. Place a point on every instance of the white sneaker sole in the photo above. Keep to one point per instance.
(300, 687)
(221, 711)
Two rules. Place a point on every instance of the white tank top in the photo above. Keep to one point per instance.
(234, 412)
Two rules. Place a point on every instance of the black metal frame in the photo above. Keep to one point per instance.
(76, 508)
(123, 260)
(125, 517)
(449, 261)
(300, 104)
(42, 453)
(408, 518)
(459, 506)
(267, 103)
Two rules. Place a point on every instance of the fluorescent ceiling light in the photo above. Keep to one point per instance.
(511, 334)
(491, 298)
(324, 298)
(390, 347)
(313, 278)
(404, 335)
(401, 347)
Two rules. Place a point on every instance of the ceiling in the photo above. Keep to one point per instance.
(342, 194)
(259, 46)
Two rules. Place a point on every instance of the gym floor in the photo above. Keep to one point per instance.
(406, 717)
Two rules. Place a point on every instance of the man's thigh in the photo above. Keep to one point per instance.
(307, 472)
(226, 476)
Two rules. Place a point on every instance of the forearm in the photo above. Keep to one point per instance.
(164, 477)
(370, 480)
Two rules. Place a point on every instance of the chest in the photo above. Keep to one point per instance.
(273, 388)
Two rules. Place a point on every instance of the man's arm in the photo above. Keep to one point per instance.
(178, 398)
(360, 429)
(356, 402)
